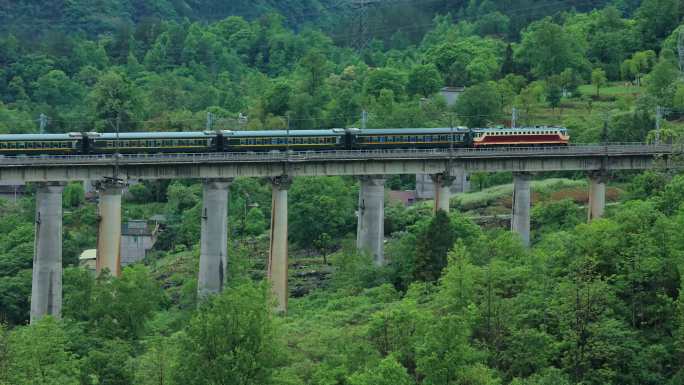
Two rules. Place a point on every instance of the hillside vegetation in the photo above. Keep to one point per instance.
(589, 303)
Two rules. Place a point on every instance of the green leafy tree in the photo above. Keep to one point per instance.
(638, 65)
(478, 105)
(74, 194)
(656, 19)
(548, 49)
(321, 206)
(388, 372)
(315, 67)
(467, 61)
(570, 80)
(231, 339)
(646, 185)
(529, 97)
(56, 89)
(255, 222)
(115, 101)
(432, 246)
(598, 79)
(662, 80)
(555, 215)
(554, 91)
(672, 196)
(385, 79)
(445, 356)
(424, 80)
(39, 354)
(119, 307)
(154, 366)
(277, 101)
(109, 364)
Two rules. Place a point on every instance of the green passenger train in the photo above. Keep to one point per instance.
(91, 143)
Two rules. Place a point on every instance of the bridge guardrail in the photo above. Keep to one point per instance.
(613, 149)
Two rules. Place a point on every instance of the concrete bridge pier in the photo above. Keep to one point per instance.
(443, 183)
(520, 220)
(597, 195)
(109, 228)
(46, 288)
(370, 229)
(461, 181)
(277, 255)
(214, 239)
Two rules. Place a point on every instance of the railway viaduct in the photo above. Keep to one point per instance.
(218, 169)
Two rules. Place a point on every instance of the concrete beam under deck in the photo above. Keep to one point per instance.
(207, 170)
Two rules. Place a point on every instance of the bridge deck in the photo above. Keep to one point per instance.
(631, 149)
(631, 156)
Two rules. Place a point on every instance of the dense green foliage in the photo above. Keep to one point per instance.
(165, 65)
(595, 303)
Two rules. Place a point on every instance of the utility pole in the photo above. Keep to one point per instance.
(118, 151)
(514, 117)
(660, 112)
(210, 121)
(42, 119)
(364, 119)
(287, 139)
(680, 51)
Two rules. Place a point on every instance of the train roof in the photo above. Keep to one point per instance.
(154, 135)
(408, 131)
(18, 137)
(532, 128)
(293, 133)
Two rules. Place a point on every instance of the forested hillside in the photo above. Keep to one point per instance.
(458, 303)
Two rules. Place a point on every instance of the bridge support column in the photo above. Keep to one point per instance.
(277, 255)
(370, 228)
(214, 239)
(442, 184)
(46, 288)
(109, 229)
(461, 181)
(520, 220)
(597, 196)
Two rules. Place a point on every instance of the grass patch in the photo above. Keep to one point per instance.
(612, 89)
(489, 196)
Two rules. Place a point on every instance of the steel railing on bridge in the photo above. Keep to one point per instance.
(613, 149)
